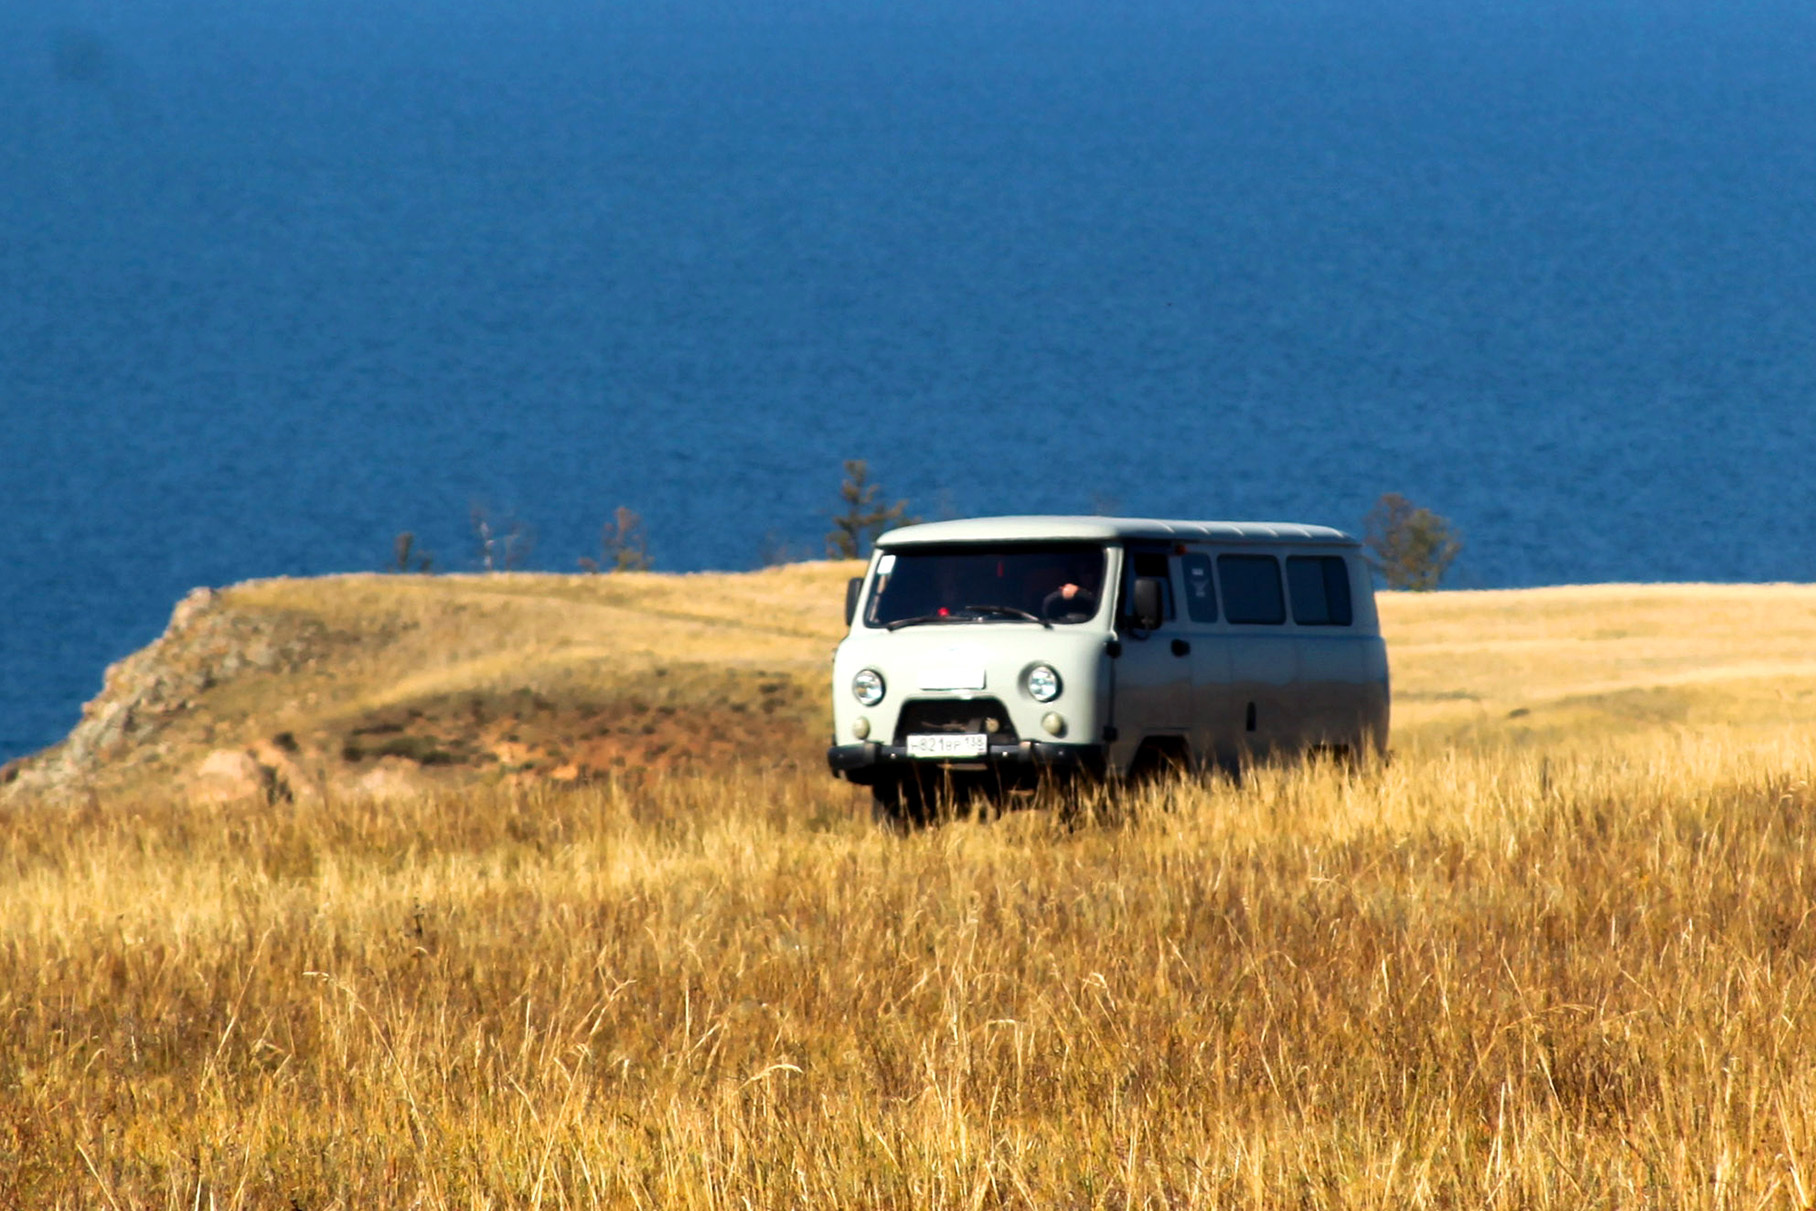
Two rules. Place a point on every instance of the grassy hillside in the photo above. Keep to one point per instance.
(381, 684)
(389, 684)
(1561, 952)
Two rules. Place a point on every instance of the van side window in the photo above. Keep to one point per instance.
(1153, 564)
(1320, 589)
(1251, 588)
(1200, 591)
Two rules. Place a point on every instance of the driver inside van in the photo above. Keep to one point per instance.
(1069, 603)
(1065, 586)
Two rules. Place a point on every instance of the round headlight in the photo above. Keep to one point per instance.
(867, 687)
(1043, 683)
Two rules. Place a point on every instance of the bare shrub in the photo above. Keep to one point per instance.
(404, 550)
(502, 543)
(775, 550)
(623, 546)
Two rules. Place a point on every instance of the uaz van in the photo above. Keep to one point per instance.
(996, 652)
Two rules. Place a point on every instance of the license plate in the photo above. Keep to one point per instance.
(951, 744)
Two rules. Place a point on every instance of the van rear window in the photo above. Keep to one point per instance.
(1320, 590)
(1251, 589)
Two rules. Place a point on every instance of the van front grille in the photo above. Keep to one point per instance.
(955, 715)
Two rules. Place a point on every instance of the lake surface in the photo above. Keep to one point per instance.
(283, 278)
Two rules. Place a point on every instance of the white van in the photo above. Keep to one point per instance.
(994, 652)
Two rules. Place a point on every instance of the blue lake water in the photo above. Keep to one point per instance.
(282, 278)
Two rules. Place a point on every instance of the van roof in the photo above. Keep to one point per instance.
(1110, 529)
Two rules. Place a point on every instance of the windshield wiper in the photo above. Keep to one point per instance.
(899, 623)
(962, 613)
(1003, 611)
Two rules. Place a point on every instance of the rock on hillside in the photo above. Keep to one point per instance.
(145, 697)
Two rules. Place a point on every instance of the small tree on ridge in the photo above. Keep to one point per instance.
(854, 530)
(1410, 547)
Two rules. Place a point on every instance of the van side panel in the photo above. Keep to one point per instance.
(1334, 668)
(1330, 668)
(1217, 735)
(1287, 687)
(1371, 706)
(1267, 688)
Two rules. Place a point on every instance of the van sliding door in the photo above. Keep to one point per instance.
(1217, 736)
(1264, 662)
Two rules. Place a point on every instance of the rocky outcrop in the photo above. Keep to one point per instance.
(150, 693)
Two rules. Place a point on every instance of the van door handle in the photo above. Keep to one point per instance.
(1181, 648)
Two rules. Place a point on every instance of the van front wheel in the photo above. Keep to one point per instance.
(899, 806)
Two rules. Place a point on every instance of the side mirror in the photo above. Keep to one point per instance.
(1146, 613)
(853, 587)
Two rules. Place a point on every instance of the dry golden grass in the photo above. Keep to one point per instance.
(1560, 958)
(1586, 662)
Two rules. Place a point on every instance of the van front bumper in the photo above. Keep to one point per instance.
(1025, 760)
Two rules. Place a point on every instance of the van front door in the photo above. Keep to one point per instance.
(1153, 696)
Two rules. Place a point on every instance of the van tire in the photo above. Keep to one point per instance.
(1159, 757)
(899, 806)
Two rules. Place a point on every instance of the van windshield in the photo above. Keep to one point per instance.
(1052, 583)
